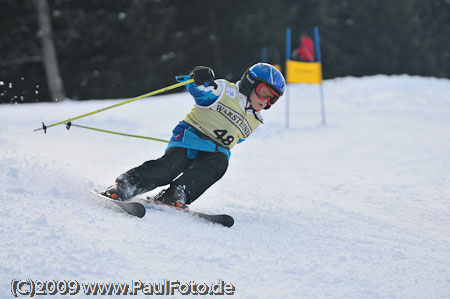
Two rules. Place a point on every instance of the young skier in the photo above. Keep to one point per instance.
(224, 114)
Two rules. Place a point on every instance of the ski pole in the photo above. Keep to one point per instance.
(69, 125)
(164, 89)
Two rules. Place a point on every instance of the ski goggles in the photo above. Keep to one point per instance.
(267, 93)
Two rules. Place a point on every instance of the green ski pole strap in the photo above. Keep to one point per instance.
(69, 125)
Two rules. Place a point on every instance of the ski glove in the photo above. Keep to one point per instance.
(203, 75)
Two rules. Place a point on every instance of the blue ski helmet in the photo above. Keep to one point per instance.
(262, 72)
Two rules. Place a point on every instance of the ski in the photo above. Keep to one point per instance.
(225, 220)
(131, 207)
(138, 209)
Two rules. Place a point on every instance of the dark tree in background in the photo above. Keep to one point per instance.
(388, 37)
(124, 48)
(50, 60)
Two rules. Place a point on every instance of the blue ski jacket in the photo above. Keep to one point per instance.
(184, 135)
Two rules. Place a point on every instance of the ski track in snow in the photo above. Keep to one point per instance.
(358, 208)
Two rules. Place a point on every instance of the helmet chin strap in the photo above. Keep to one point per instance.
(256, 116)
(249, 106)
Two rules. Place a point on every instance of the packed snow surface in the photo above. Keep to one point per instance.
(356, 208)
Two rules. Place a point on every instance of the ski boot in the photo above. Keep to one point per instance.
(173, 196)
(112, 193)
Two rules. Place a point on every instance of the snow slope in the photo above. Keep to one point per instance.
(356, 208)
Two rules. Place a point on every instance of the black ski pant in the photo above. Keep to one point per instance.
(197, 174)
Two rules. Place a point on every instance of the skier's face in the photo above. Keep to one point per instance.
(257, 102)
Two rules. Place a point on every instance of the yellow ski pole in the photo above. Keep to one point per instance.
(44, 127)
